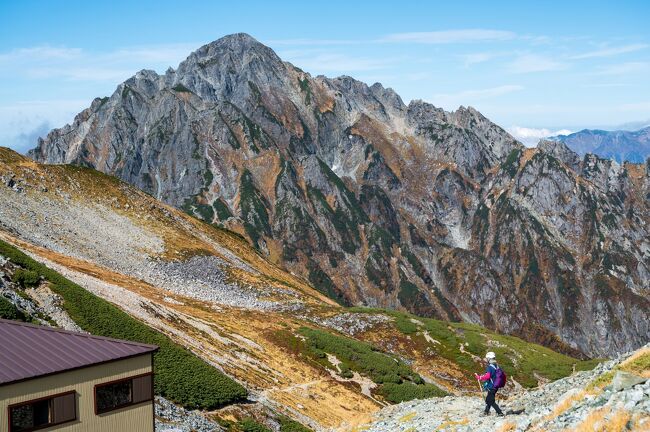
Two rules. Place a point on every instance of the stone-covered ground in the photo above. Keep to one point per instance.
(573, 404)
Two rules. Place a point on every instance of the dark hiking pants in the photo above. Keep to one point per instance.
(489, 402)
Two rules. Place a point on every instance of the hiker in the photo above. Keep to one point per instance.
(494, 378)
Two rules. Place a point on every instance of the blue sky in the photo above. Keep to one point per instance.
(533, 68)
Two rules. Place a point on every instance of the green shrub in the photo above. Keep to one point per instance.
(205, 212)
(181, 376)
(222, 210)
(288, 425)
(362, 357)
(180, 88)
(357, 356)
(520, 359)
(405, 325)
(26, 278)
(397, 393)
(250, 425)
(511, 164)
(9, 311)
(345, 371)
(254, 207)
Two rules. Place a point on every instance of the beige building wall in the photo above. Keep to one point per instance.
(134, 418)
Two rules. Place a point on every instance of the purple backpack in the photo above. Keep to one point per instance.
(499, 379)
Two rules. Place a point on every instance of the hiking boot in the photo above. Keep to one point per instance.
(501, 414)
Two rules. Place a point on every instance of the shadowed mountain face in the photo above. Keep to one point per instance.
(380, 203)
(630, 146)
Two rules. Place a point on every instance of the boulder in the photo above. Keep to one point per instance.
(624, 380)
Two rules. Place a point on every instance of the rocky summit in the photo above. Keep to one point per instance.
(380, 203)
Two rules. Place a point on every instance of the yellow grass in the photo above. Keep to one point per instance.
(449, 423)
(408, 417)
(507, 427)
(639, 363)
(565, 404)
(603, 420)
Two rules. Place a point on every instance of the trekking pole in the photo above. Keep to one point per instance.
(480, 386)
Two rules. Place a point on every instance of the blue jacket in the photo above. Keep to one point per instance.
(491, 369)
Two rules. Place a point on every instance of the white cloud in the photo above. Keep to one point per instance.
(528, 63)
(315, 42)
(531, 136)
(21, 123)
(636, 106)
(80, 73)
(607, 52)
(605, 85)
(40, 53)
(475, 58)
(467, 97)
(624, 68)
(75, 64)
(335, 62)
(167, 53)
(450, 36)
(418, 76)
(431, 37)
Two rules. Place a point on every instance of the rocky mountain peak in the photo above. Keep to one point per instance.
(230, 68)
(237, 44)
(234, 50)
(560, 150)
(374, 202)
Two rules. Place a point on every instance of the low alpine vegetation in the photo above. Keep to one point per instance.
(398, 382)
(26, 278)
(522, 360)
(180, 375)
(9, 311)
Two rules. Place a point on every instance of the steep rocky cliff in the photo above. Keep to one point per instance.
(380, 203)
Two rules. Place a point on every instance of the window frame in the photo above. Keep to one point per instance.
(117, 381)
(32, 401)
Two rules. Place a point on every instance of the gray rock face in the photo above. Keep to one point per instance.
(173, 418)
(380, 203)
(560, 151)
(624, 380)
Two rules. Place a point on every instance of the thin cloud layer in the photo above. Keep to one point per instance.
(468, 97)
(75, 64)
(528, 63)
(613, 51)
(531, 136)
(451, 36)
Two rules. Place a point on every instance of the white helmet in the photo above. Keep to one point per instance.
(490, 356)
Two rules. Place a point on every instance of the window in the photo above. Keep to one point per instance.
(42, 413)
(119, 394)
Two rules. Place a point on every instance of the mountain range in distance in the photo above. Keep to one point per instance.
(619, 145)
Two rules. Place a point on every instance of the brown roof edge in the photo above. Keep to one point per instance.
(79, 334)
(76, 368)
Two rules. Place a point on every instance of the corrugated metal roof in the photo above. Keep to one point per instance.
(28, 351)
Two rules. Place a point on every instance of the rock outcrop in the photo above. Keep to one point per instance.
(381, 203)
